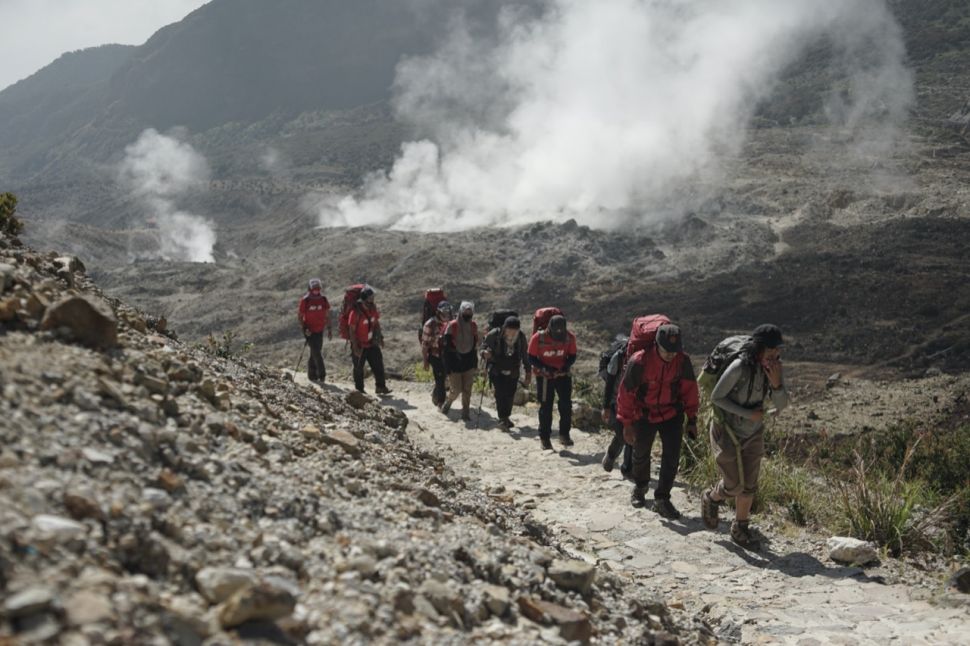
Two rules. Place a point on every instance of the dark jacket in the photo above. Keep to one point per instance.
(506, 360)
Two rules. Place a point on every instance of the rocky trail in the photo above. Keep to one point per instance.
(789, 592)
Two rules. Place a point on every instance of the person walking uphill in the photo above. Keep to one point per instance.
(505, 350)
(366, 341)
(431, 334)
(552, 353)
(657, 391)
(460, 345)
(737, 428)
(314, 316)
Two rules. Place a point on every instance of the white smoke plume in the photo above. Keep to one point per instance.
(159, 170)
(604, 110)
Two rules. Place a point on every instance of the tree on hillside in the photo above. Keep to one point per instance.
(9, 222)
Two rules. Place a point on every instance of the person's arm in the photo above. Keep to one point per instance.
(779, 395)
(628, 409)
(329, 321)
(301, 315)
(689, 395)
(608, 389)
(571, 352)
(720, 395)
(524, 358)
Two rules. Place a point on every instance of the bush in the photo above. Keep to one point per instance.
(226, 347)
(10, 224)
(421, 375)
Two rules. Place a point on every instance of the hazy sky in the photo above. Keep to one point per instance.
(35, 32)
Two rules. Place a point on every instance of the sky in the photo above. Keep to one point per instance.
(36, 32)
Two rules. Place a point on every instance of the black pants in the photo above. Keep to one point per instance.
(505, 386)
(375, 358)
(316, 369)
(671, 434)
(547, 391)
(440, 377)
(619, 444)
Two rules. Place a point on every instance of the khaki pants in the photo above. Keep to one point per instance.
(461, 383)
(737, 479)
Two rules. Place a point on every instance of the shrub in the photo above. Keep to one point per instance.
(421, 375)
(226, 347)
(9, 222)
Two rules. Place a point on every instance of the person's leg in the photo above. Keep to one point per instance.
(544, 394)
(438, 370)
(358, 371)
(627, 466)
(315, 342)
(467, 385)
(454, 381)
(729, 486)
(376, 360)
(564, 392)
(641, 460)
(671, 437)
(752, 450)
(504, 394)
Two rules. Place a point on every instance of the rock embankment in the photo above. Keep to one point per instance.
(150, 493)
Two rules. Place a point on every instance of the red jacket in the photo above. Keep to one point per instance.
(656, 388)
(556, 356)
(364, 324)
(314, 312)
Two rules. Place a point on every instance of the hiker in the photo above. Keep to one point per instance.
(657, 391)
(366, 341)
(552, 353)
(739, 399)
(460, 344)
(431, 334)
(612, 363)
(504, 351)
(314, 316)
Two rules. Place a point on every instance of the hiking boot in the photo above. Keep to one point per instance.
(509, 422)
(608, 462)
(383, 390)
(666, 509)
(742, 535)
(626, 472)
(638, 497)
(466, 416)
(709, 510)
(546, 443)
(505, 424)
(445, 407)
(566, 441)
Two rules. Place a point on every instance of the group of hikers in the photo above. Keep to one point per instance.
(650, 386)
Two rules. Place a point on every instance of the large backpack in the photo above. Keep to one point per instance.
(722, 356)
(432, 297)
(497, 318)
(618, 346)
(643, 334)
(541, 319)
(351, 295)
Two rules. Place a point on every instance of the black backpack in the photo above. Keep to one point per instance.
(619, 345)
(497, 318)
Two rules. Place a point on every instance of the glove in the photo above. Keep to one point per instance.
(629, 435)
(692, 429)
(306, 331)
(329, 334)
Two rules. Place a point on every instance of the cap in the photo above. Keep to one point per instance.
(669, 338)
(315, 283)
(444, 306)
(557, 327)
(768, 336)
(513, 323)
(466, 306)
(366, 293)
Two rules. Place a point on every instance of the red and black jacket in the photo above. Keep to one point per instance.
(656, 389)
(314, 312)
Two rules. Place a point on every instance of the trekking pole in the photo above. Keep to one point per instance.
(481, 399)
(306, 342)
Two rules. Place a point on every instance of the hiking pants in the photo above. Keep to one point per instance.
(375, 358)
(618, 444)
(547, 390)
(505, 386)
(438, 370)
(671, 434)
(316, 369)
(461, 384)
(734, 480)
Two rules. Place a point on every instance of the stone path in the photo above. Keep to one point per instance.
(788, 593)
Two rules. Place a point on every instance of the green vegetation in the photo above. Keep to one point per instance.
(227, 347)
(9, 222)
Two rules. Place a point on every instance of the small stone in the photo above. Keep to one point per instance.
(428, 497)
(358, 399)
(95, 456)
(169, 481)
(28, 602)
(364, 564)
(851, 551)
(833, 380)
(218, 584)
(344, 440)
(156, 498)
(90, 322)
(154, 385)
(82, 504)
(961, 580)
(446, 601)
(497, 599)
(6, 276)
(310, 432)
(573, 575)
(573, 626)
(57, 528)
(262, 602)
(87, 607)
(70, 263)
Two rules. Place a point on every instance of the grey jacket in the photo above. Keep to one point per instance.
(740, 391)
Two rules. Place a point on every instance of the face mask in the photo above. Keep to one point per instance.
(467, 316)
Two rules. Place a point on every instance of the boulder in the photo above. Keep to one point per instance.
(497, 599)
(262, 602)
(90, 322)
(960, 580)
(343, 439)
(573, 575)
(6, 276)
(219, 583)
(57, 528)
(358, 399)
(87, 607)
(28, 602)
(573, 626)
(852, 551)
